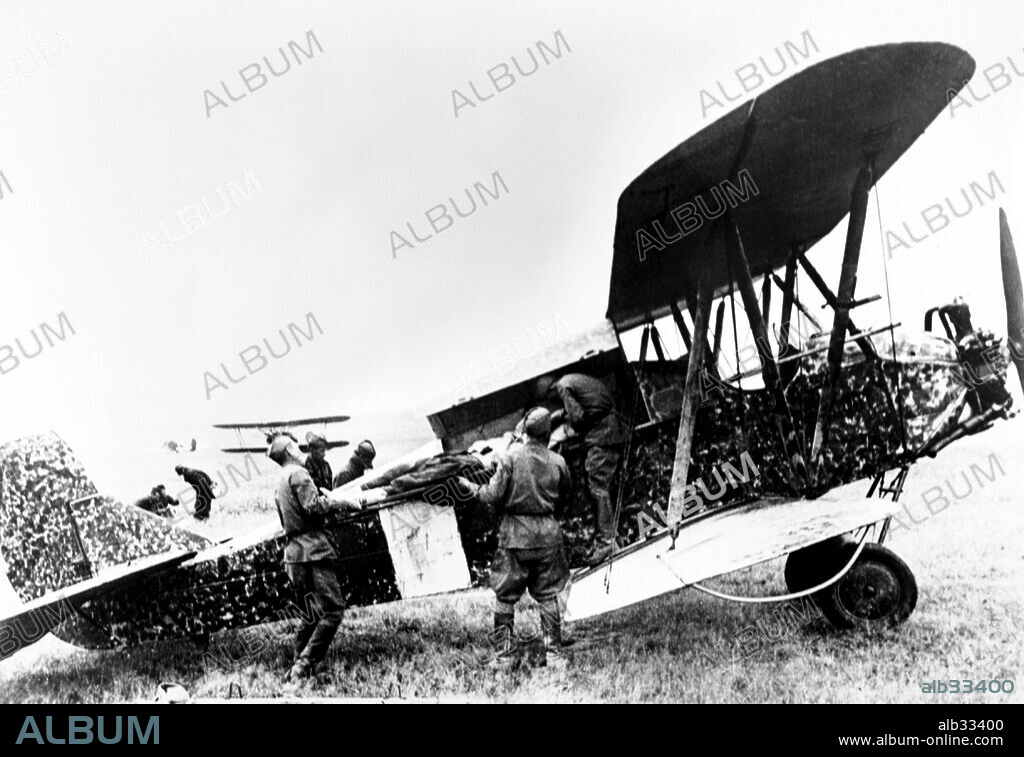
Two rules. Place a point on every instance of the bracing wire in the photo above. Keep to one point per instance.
(892, 331)
(629, 437)
(735, 332)
(796, 594)
(799, 313)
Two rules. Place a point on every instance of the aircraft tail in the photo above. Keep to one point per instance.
(57, 530)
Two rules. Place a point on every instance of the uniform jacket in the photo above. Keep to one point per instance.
(199, 481)
(321, 473)
(528, 486)
(590, 408)
(301, 508)
(353, 469)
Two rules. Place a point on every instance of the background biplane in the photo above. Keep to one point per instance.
(822, 409)
(270, 429)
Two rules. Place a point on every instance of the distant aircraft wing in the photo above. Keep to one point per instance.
(26, 624)
(279, 424)
(717, 542)
(303, 447)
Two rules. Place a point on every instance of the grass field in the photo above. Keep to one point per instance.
(969, 624)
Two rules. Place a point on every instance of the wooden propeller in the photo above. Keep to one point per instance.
(1014, 295)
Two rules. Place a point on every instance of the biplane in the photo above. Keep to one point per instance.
(725, 467)
(270, 429)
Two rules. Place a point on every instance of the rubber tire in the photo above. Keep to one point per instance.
(817, 563)
(878, 591)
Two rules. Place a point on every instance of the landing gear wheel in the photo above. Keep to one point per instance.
(817, 563)
(878, 591)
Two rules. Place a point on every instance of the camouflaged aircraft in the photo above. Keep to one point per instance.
(743, 200)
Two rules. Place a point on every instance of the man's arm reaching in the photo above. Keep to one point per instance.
(494, 490)
(313, 501)
(310, 499)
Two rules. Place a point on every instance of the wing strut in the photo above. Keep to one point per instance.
(842, 303)
(656, 343)
(710, 366)
(766, 299)
(717, 348)
(830, 298)
(800, 306)
(688, 414)
(788, 296)
(769, 368)
(681, 325)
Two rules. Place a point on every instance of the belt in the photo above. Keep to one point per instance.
(306, 531)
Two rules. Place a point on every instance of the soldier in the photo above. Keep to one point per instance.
(588, 407)
(360, 461)
(203, 486)
(529, 484)
(318, 467)
(309, 558)
(159, 502)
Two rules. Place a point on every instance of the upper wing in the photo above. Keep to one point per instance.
(716, 542)
(303, 447)
(801, 145)
(28, 623)
(294, 422)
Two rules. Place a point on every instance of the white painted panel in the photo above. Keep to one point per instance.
(426, 549)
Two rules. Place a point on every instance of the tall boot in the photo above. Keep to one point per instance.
(551, 628)
(604, 530)
(603, 549)
(503, 643)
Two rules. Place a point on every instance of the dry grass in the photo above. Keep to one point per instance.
(968, 559)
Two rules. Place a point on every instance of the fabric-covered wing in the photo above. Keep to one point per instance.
(293, 422)
(801, 144)
(719, 542)
(303, 447)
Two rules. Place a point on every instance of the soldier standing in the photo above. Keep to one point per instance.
(309, 558)
(317, 465)
(529, 485)
(360, 461)
(587, 405)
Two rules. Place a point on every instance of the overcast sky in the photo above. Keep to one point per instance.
(103, 144)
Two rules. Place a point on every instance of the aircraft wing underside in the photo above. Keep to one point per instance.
(718, 542)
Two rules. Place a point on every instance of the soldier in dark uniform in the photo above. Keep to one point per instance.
(528, 486)
(360, 461)
(309, 558)
(159, 502)
(317, 465)
(203, 486)
(587, 406)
